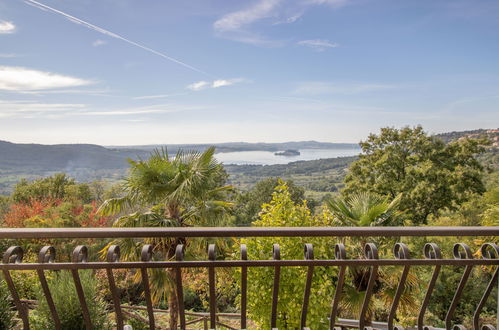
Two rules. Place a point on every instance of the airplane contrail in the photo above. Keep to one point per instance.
(110, 34)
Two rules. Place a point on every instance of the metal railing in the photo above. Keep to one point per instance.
(431, 256)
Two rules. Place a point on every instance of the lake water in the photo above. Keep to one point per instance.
(268, 157)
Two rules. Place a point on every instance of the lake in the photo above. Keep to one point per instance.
(268, 157)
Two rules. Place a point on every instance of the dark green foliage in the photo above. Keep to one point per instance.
(444, 292)
(67, 304)
(299, 167)
(137, 324)
(55, 187)
(431, 175)
(249, 204)
(192, 301)
(6, 313)
(4, 206)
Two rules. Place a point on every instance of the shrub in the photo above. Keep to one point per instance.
(6, 312)
(282, 211)
(67, 304)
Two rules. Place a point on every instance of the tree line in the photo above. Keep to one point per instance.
(402, 177)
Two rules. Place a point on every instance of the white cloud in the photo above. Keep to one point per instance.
(241, 18)
(242, 26)
(7, 27)
(236, 25)
(24, 79)
(16, 108)
(226, 82)
(150, 109)
(332, 3)
(160, 96)
(197, 86)
(290, 19)
(7, 55)
(99, 42)
(323, 87)
(317, 44)
(121, 113)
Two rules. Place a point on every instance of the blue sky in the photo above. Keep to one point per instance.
(127, 72)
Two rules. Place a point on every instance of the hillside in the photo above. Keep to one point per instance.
(84, 162)
(62, 157)
(87, 162)
(243, 146)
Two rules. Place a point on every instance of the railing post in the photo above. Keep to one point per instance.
(371, 252)
(276, 254)
(80, 254)
(309, 255)
(179, 256)
(47, 255)
(244, 286)
(113, 255)
(146, 255)
(212, 284)
(14, 254)
(460, 251)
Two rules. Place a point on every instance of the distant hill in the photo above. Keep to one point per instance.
(492, 134)
(63, 157)
(88, 162)
(243, 146)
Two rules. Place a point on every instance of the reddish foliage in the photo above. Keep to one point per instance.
(19, 212)
(50, 210)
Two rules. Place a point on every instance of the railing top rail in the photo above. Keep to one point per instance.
(109, 232)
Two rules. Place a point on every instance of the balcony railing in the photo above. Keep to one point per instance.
(431, 256)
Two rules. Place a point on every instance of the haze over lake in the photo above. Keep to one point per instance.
(269, 158)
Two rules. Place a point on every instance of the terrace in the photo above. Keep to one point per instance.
(431, 256)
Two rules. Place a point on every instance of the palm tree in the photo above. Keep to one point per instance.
(186, 190)
(367, 209)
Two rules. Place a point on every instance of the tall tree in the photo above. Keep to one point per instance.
(187, 190)
(249, 204)
(430, 174)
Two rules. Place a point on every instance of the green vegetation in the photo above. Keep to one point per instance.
(403, 177)
(67, 304)
(281, 212)
(6, 313)
(249, 204)
(430, 175)
(322, 175)
(365, 209)
(187, 190)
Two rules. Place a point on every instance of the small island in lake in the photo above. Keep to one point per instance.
(289, 152)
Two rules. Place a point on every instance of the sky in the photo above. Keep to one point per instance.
(130, 72)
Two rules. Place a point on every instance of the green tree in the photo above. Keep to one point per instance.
(282, 211)
(249, 204)
(365, 209)
(58, 186)
(4, 206)
(430, 174)
(187, 190)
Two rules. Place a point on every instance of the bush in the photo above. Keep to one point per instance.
(6, 312)
(282, 211)
(67, 304)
